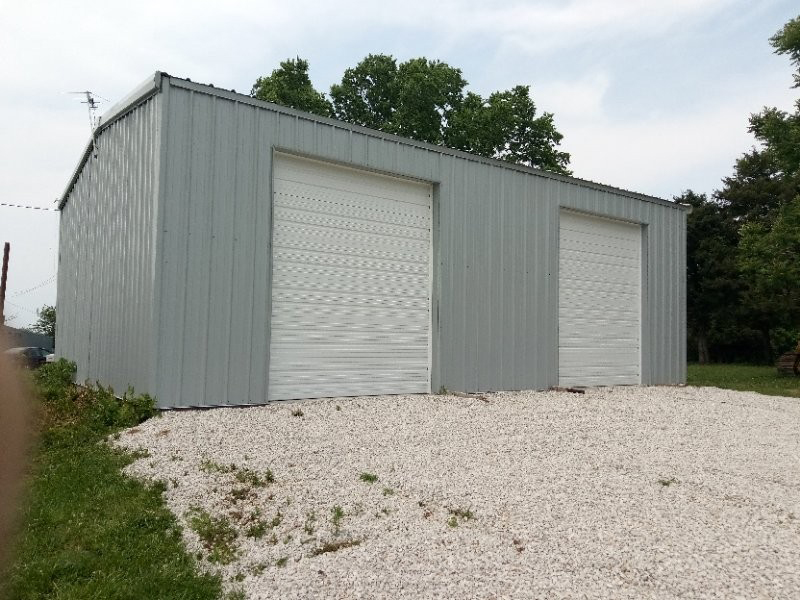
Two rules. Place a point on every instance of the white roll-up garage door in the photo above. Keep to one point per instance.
(351, 282)
(599, 301)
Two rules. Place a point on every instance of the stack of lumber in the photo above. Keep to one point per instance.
(788, 364)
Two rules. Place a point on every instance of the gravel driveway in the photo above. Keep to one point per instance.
(635, 492)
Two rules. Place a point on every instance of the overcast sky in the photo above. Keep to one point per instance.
(650, 95)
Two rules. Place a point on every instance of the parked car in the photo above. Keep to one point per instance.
(28, 357)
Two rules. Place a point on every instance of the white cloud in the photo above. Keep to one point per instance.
(656, 153)
(575, 100)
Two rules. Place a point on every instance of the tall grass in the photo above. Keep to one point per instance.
(87, 530)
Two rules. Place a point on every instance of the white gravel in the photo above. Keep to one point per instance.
(635, 492)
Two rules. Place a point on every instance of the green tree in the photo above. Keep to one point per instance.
(759, 202)
(787, 41)
(712, 284)
(46, 321)
(426, 100)
(756, 190)
(367, 95)
(769, 259)
(290, 86)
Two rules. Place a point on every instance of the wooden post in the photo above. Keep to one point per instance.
(3, 278)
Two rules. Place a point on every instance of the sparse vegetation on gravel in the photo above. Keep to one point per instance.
(616, 493)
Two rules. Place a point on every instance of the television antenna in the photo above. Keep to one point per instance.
(91, 100)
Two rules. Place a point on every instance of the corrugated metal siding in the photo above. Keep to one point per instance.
(214, 301)
(106, 255)
(496, 244)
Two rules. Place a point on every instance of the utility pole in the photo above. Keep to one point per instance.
(3, 278)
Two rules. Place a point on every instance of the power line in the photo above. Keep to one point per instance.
(37, 286)
(30, 207)
(22, 307)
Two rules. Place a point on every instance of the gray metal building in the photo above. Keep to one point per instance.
(216, 249)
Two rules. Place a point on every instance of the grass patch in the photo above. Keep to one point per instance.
(387, 491)
(245, 475)
(458, 515)
(309, 526)
(668, 482)
(281, 562)
(297, 412)
(337, 514)
(87, 530)
(368, 477)
(241, 474)
(745, 378)
(217, 535)
(334, 546)
(210, 466)
(256, 530)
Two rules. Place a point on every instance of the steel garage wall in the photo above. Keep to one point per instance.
(107, 255)
(495, 252)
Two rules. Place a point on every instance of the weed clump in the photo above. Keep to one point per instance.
(368, 477)
(216, 534)
(337, 514)
(464, 514)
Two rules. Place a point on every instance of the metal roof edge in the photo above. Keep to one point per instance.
(149, 87)
(245, 99)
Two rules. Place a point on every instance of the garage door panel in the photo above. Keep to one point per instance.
(351, 282)
(330, 246)
(297, 314)
(612, 301)
(366, 226)
(598, 273)
(584, 223)
(338, 203)
(347, 388)
(315, 175)
(599, 287)
(354, 281)
(623, 360)
(599, 301)
(354, 285)
(621, 250)
(353, 241)
(323, 299)
(309, 258)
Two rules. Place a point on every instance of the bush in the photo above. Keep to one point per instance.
(65, 404)
(105, 410)
(53, 379)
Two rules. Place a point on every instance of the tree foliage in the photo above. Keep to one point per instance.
(712, 282)
(770, 261)
(289, 85)
(743, 272)
(46, 321)
(426, 100)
